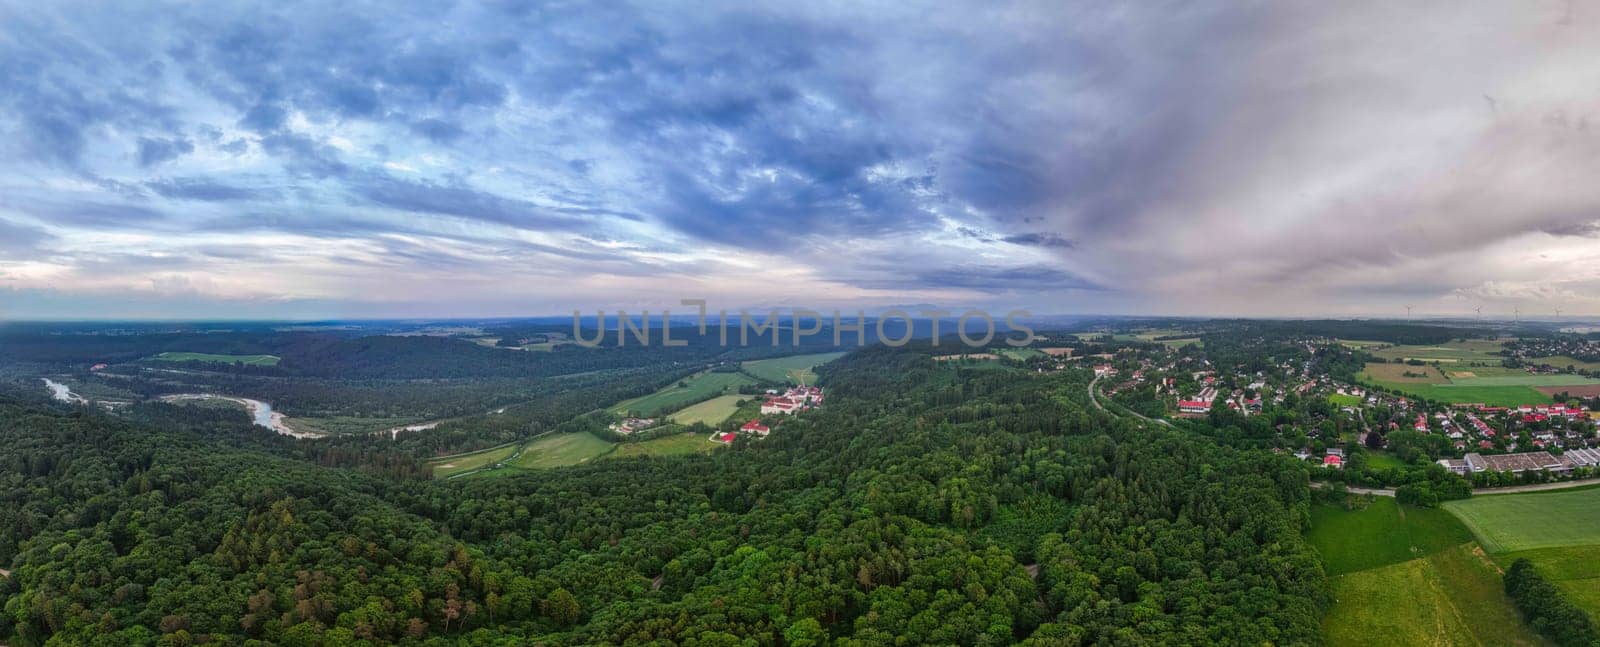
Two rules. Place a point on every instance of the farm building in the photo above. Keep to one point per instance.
(783, 406)
(1515, 463)
(755, 427)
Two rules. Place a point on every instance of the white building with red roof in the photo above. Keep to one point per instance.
(755, 427)
(779, 405)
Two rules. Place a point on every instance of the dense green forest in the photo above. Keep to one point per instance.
(926, 503)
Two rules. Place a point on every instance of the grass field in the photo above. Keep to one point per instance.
(1381, 534)
(1575, 569)
(1383, 460)
(1498, 396)
(1020, 353)
(678, 445)
(1342, 400)
(1562, 361)
(694, 388)
(1496, 390)
(252, 360)
(1395, 374)
(1472, 351)
(792, 369)
(446, 467)
(1410, 576)
(1451, 597)
(560, 450)
(711, 412)
(1524, 379)
(1517, 522)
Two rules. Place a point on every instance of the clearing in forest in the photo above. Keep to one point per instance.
(697, 387)
(250, 360)
(793, 369)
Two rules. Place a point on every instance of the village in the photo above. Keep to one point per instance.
(1310, 414)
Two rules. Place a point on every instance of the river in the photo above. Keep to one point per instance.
(60, 392)
(261, 412)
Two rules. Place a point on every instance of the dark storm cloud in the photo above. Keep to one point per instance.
(1040, 239)
(978, 277)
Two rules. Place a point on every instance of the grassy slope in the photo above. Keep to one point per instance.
(1410, 576)
(558, 450)
(668, 446)
(698, 387)
(790, 369)
(446, 467)
(1381, 534)
(1452, 597)
(1512, 522)
(711, 412)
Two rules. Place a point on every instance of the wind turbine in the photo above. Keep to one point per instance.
(1408, 314)
(1479, 310)
(1516, 314)
(1558, 312)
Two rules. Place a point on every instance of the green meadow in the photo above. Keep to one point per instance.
(1403, 575)
(793, 369)
(686, 443)
(1516, 522)
(697, 387)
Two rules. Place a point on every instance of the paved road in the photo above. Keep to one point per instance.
(1537, 487)
(1356, 490)
(1513, 489)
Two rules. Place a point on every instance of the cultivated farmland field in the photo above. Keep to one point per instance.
(251, 360)
(793, 369)
(1562, 361)
(1497, 396)
(694, 388)
(1472, 351)
(1577, 391)
(711, 412)
(1516, 522)
(1428, 382)
(1525, 379)
(1396, 374)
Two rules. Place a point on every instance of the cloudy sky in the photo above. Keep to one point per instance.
(311, 160)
